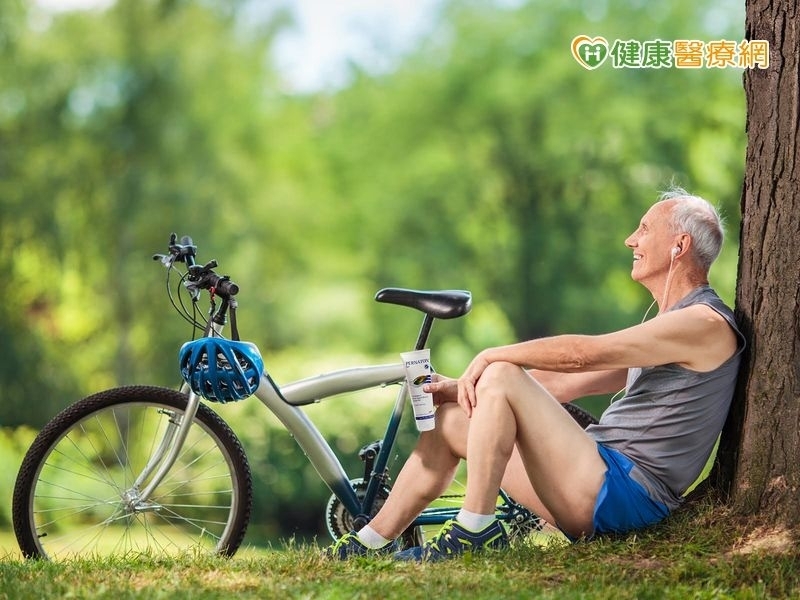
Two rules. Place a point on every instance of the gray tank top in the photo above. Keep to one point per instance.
(670, 417)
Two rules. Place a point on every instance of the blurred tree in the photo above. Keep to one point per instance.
(487, 160)
(34, 374)
(492, 161)
(115, 122)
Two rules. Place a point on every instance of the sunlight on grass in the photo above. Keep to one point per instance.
(8, 545)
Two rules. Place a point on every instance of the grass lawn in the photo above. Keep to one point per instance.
(701, 552)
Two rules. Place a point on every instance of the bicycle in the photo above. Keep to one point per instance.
(144, 469)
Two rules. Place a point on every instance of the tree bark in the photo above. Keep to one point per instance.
(759, 458)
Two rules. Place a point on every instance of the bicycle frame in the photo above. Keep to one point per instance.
(165, 455)
(285, 402)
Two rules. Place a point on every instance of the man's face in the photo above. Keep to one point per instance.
(652, 243)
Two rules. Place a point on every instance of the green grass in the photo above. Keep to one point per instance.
(702, 552)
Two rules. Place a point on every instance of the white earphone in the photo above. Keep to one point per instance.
(672, 255)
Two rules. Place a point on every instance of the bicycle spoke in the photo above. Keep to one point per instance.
(84, 500)
(86, 459)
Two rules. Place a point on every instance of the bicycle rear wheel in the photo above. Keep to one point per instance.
(75, 494)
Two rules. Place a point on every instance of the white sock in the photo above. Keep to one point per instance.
(371, 538)
(473, 521)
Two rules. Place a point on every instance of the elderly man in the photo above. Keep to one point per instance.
(678, 371)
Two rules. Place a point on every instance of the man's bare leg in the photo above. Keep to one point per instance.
(550, 486)
(426, 474)
(560, 459)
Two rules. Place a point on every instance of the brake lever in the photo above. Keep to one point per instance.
(183, 252)
(165, 259)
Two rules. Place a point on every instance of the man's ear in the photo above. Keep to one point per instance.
(682, 243)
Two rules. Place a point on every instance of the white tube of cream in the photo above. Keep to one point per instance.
(418, 373)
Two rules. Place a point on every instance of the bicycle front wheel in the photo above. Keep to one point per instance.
(77, 492)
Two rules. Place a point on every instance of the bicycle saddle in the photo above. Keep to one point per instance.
(444, 304)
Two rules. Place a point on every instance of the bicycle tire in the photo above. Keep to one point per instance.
(72, 496)
(582, 416)
(519, 520)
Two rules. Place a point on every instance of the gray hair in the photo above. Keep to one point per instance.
(701, 220)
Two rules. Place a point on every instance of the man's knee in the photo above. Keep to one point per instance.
(510, 383)
(450, 431)
(498, 376)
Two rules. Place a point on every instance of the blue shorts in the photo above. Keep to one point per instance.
(623, 504)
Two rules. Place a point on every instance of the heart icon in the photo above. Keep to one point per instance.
(589, 52)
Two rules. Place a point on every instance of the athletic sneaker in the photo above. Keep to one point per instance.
(454, 540)
(349, 546)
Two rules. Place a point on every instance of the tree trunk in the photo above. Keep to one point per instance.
(760, 448)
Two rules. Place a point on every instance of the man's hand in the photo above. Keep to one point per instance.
(467, 382)
(444, 389)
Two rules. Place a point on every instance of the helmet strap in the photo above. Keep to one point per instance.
(234, 327)
(207, 331)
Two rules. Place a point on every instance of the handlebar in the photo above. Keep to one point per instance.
(199, 277)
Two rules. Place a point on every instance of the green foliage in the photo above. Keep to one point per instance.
(529, 171)
(13, 445)
(487, 160)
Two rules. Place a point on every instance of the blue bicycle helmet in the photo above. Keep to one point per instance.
(221, 370)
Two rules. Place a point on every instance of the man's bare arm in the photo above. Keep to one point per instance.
(696, 337)
(566, 387)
